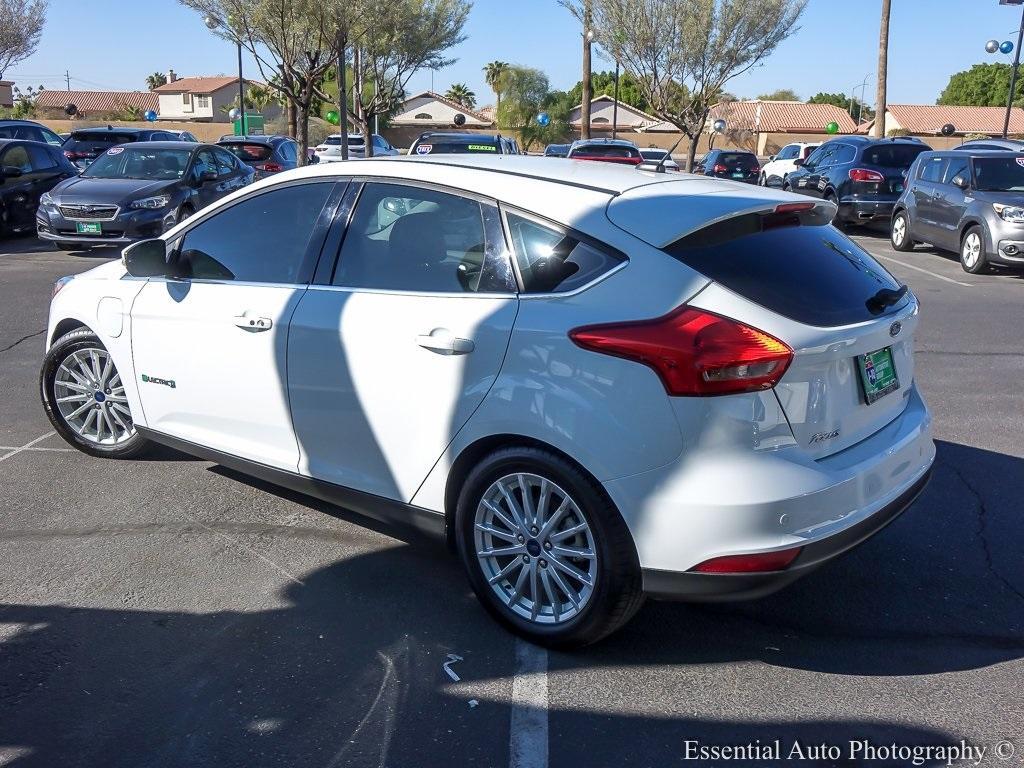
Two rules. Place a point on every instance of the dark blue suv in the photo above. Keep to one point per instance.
(864, 177)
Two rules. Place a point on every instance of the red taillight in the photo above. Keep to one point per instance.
(269, 167)
(755, 169)
(75, 155)
(863, 174)
(719, 168)
(694, 352)
(759, 562)
(794, 207)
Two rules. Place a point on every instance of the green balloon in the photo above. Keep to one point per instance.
(832, 127)
(332, 117)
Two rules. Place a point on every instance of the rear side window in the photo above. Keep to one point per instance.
(552, 261)
(932, 168)
(260, 239)
(249, 153)
(810, 273)
(892, 155)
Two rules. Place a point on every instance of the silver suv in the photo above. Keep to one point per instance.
(970, 202)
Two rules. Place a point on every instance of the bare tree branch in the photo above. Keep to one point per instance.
(21, 26)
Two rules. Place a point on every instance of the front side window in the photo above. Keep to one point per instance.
(41, 158)
(17, 157)
(815, 157)
(408, 238)
(226, 163)
(261, 239)
(932, 168)
(787, 152)
(552, 261)
(958, 166)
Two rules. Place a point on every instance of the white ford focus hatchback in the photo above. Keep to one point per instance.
(597, 382)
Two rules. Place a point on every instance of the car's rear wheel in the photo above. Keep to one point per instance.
(972, 251)
(899, 233)
(85, 399)
(546, 551)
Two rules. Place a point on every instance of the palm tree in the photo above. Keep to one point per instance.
(461, 95)
(493, 73)
(155, 80)
(883, 65)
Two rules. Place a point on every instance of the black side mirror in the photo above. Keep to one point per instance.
(799, 162)
(146, 258)
(959, 181)
(10, 172)
(206, 176)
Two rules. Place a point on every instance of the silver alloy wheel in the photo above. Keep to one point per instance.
(535, 548)
(971, 251)
(90, 397)
(899, 230)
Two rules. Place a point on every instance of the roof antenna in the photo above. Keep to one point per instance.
(660, 167)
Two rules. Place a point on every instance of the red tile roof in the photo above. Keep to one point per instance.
(197, 85)
(782, 116)
(929, 118)
(98, 101)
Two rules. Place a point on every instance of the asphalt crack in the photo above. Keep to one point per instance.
(23, 338)
(982, 528)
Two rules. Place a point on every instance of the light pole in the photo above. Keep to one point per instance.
(994, 46)
(212, 23)
(853, 97)
(588, 38)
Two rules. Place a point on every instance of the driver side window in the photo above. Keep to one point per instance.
(815, 157)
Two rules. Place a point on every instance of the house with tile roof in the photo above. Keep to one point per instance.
(432, 110)
(200, 99)
(603, 112)
(54, 103)
(928, 119)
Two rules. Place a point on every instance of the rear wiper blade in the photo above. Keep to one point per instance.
(886, 297)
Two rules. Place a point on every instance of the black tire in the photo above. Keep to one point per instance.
(617, 586)
(981, 266)
(77, 341)
(907, 243)
(762, 180)
(836, 220)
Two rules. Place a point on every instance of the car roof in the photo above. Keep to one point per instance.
(973, 153)
(16, 121)
(113, 129)
(608, 142)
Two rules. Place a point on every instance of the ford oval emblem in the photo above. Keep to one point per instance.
(895, 328)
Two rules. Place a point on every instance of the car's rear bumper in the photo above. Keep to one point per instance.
(854, 211)
(696, 587)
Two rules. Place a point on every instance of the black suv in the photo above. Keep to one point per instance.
(455, 143)
(28, 130)
(864, 177)
(86, 144)
(730, 164)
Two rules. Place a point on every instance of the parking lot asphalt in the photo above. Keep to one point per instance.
(169, 612)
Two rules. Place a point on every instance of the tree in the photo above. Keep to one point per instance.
(983, 85)
(493, 73)
(878, 129)
(25, 101)
(21, 26)
(683, 52)
(603, 84)
(257, 97)
(461, 95)
(783, 94)
(526, 94)
(155, 80)
(861, 113)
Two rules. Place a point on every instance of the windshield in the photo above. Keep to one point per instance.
(893, 155)
(999, 174)
(606, 150)
(653, 154)
(249, 153)
(132, 163)
(97, 142)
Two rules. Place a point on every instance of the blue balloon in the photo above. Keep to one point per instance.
(543, 118)
(150, 115)
(1006, 47)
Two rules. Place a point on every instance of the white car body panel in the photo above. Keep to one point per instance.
(776, 171)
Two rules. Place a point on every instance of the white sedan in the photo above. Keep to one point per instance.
(596, 382)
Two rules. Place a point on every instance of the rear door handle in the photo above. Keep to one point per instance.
(441, 341)
(252, 323)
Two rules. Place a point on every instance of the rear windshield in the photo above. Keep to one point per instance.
(98, 141)
(893, 155)
(742, 159)
(606, 150)
(999, 174)
(809, 273)
(441, 146)
(249, 153)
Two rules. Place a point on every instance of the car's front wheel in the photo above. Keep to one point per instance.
(546, 551)
(85, 400)
(899, 233)
(972, 251)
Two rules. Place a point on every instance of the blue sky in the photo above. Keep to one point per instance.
(834, 49)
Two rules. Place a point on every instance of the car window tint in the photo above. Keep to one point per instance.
(552, 261)
(205, 161)
(17, 157)
(932, 168)
(815, 157)
(41, 159)
(226, 163)
(51, 138)
(958, 166)
(408, 238)
(843, 153)
(262, 239)
(893, 155)
(787, 152)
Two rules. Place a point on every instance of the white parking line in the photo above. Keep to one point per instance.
(26, 446)
(37, 449)
(921, 269)
(528, 729)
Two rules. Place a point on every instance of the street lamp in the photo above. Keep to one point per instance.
(592, 37)
(212, 23)
(863, 92)
(994, 46)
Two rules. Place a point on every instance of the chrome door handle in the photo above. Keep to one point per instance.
(441, 341)
(252, 323)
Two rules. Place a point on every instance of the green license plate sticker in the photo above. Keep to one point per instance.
(877, 374)
(88, 228)
(482, 148)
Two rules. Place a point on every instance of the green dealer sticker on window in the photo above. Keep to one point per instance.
(482, 148)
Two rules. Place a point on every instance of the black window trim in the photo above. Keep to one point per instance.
(339, 230)
(313, 248)
(594, 243)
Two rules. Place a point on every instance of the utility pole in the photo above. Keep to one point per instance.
(342, 91)
(588, 36)
(1013, 77)
(67, 77)
(883, 70)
